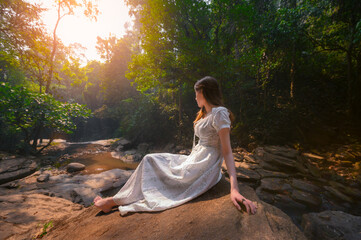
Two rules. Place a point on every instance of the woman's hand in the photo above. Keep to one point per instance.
(236, 197)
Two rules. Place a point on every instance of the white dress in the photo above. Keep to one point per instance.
(165, 180)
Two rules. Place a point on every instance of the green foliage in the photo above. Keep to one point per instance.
(26, 112)
(283, 67)
(45, 229)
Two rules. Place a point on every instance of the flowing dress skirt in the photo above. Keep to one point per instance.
(165, 180)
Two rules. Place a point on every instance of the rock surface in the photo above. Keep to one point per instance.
(75, 167)
(23, 216)
(16, 168)
(329, 225)
(210, 216)
(84, 188)
(291, 181)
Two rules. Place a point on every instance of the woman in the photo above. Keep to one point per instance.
(164, 180)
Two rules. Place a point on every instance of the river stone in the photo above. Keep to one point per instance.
(309, 199)
(258, 153)
(353, 192)
(246, 165)
(271, 174)
(120, 144)
(249, 158)
(334, 192)
(313, 170)
(305, 186)
(12, 169)
(131, 158)
(275, 185)
(280, 161)
(247, 175)
(333, 225)
(75, 167)
(268, 166)
(285, 202)
(264, 195)
(43, 177)
(282, 151)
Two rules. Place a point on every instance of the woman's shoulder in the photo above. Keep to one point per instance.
(219, 108)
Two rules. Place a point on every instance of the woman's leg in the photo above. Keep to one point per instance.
(129, 193)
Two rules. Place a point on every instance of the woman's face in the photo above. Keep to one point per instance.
(200, 98)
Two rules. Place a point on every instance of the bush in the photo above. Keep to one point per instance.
(29, 113)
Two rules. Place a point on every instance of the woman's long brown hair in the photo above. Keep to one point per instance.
(211, 92)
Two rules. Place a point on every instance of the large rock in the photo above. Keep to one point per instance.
(130, 156)
(312, 200)
(12, 169)
(329, 225)
(244, 174)
(334, 192)
(282, 151)
(280, 161)
(275, 185)
(305, 186)
(83, 188)
(271, 174)
(210, 216)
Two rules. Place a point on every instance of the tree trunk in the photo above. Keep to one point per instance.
(53, 51)
(349, 81)
(292, 77)
(357, 89)
(180, 105)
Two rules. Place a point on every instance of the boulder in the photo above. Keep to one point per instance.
(280, 161)
(270, 167)
(83, 188)
(249, 159)
(130, 156)
(329, 225)
(310, 199)
(43, 177)
(282, 151)
(285, 202)
(247, 175)
(16, 168)
(334, 192)
(271, 174)
(210, 216)
(246, 165)
(275, 185)
(120, 144)
(305, 186)
(74, 167)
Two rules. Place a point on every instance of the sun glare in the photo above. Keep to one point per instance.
(113, 15)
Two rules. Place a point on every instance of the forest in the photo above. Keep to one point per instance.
(289, 70)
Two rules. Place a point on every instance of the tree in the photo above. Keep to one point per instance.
(29, 113)
(64, 8)
(335, 26)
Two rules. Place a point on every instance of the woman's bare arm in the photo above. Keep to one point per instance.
(236, 197)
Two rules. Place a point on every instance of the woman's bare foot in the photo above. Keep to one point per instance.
(104, 204)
